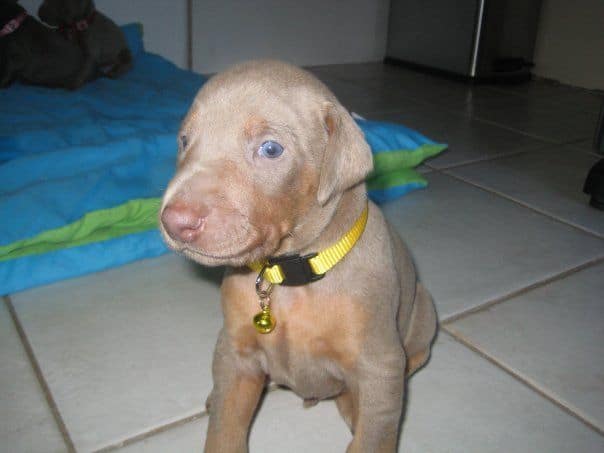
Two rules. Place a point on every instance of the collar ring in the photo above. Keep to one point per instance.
(263, 293)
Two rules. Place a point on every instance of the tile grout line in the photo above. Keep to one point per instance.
(481, 160)
(591, 151)
(530, 149)
(473, 117)
(528, 134)
(550, 84)
(163, 428)
(538, 284)
(527, 382)
(521, 203)
(152, 432)
(40, 376)
(574, 142)
(454, 112)
(554, 103)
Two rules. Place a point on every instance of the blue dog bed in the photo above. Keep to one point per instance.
(69, 157)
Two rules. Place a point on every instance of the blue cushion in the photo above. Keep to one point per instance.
(134, 38)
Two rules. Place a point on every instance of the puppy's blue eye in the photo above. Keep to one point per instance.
(270, 149)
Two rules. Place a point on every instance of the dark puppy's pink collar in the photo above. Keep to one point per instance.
(79, 25)
(83, 24)
(13, 24)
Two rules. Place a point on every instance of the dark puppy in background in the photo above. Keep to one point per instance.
(99, 38)
(33, 53)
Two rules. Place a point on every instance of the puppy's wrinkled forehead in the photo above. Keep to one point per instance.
(256, 95)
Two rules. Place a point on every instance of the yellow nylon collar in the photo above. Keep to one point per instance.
(323, 260)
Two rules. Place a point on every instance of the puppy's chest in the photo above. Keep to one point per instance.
(316, 341)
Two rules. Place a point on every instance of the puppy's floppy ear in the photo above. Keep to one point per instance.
(347, 157)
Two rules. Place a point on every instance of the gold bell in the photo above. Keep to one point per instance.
(264, 321)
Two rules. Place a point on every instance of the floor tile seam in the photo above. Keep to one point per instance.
(480, 160)
(582, 151)
(454, 110)
(368, 113)
(574, 142)
(592, 152)
(544, 139)
(354, 84)
(563, 145)
(524, 205)
(164, 428)
(539, 109)
(520, 291)
(574, 146)
(540, 148)
(529, 148)
(460, 110)
(529, 383)
(37, 369)
(359, 83)
(543, 97)
(528, 134)
(571, 90)
(151, 432)
(387, 81)
(405, 96)
(401, 110)
(513, 129)
(545, 142)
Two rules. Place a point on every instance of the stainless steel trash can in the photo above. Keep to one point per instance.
(476, 39)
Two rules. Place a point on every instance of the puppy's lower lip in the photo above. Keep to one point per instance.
(217, 257)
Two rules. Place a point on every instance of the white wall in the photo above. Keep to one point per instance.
(304, 32)
(164, 23)
(570, 42)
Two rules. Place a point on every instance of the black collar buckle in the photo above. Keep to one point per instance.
(296, 269)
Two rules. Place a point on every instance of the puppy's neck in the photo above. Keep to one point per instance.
(348, 209)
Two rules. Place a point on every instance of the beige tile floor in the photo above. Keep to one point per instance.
(502, 236)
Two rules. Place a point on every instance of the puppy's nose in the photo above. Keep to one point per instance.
(183, 223)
